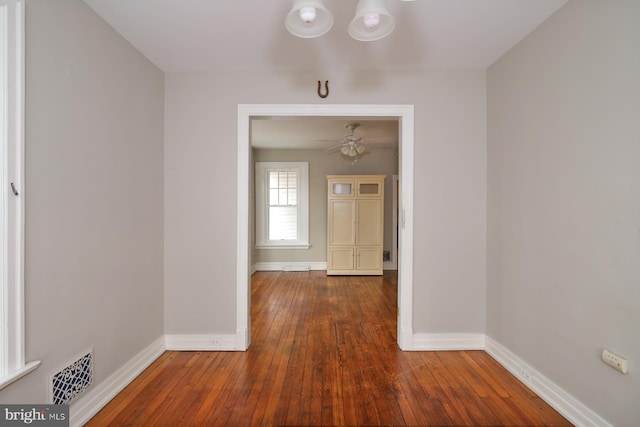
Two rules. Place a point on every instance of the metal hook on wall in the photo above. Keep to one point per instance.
(326, 89)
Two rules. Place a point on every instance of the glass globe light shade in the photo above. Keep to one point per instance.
(360, 148)
(352, 151)
(372, 21)
(345, 150)
(308, 19)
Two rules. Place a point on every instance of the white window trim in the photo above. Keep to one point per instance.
(262, 220)
(12, 333)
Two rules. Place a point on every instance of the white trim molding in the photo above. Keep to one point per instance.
(405, 116)
(89, 404)
(567, 405)
(392, 264)
(13, 364)
(290, 266)
(98, 395)
(264, 203)
(18, 373)
(444, 342)
(204, 342)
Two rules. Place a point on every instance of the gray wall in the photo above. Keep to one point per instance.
(94, 200)
(564, 202)
(382, 161)
(449, 201)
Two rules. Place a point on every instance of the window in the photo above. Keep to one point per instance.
(12, 358)
(282, 207)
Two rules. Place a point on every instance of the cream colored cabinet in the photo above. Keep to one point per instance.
(355, 224)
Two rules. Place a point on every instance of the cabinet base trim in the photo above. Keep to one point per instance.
(354, 272)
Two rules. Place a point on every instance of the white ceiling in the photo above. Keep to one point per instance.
(206, 35)
(219, 35)
(321, 133)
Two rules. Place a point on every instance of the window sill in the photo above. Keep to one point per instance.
(299, 246)
(18, 373)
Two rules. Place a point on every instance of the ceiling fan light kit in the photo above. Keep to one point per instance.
(350, 147)
(309, 18)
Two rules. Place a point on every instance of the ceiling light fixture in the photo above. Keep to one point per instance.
(350, 145)
(353, 149)
(372, 21)
(308, 19)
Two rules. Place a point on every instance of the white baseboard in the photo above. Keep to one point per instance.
(201, 342)
(571, 408)
(389, 265)
(83, 409)
(443, 342)
(96, 397)
(243, 339)
(405, 339)
(303, 266)
(289, 266)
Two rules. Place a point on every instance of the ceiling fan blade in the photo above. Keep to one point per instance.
(380, 139)
(332, 149)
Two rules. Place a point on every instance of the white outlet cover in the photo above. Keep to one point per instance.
(618, 363)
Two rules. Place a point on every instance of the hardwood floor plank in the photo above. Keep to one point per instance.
(426, 393)
(155, 393)
(123, 400)
(192, 385)
(475, 364)
(454, 362)
(324, 353)
(464, 403)
(215, 406)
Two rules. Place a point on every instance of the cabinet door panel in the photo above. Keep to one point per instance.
(369, 188)
(342, 188)
(340, 259)
(369, 259)
(369, 222)
(341, 222)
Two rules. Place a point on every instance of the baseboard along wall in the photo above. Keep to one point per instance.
(98, 395)
(83, 409)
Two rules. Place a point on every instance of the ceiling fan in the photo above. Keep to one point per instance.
(351, 145)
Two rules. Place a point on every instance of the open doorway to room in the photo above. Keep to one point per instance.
(403, 114)
(290, 232)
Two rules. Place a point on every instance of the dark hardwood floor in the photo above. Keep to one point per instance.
(324, 353)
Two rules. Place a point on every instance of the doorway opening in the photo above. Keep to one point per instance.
(404, 115)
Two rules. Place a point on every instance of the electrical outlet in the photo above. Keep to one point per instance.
(618, 363)
(217, 343)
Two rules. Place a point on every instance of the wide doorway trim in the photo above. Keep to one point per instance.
(405, 116)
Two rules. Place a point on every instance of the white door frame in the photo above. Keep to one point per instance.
(392, 263)
(404, 113)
